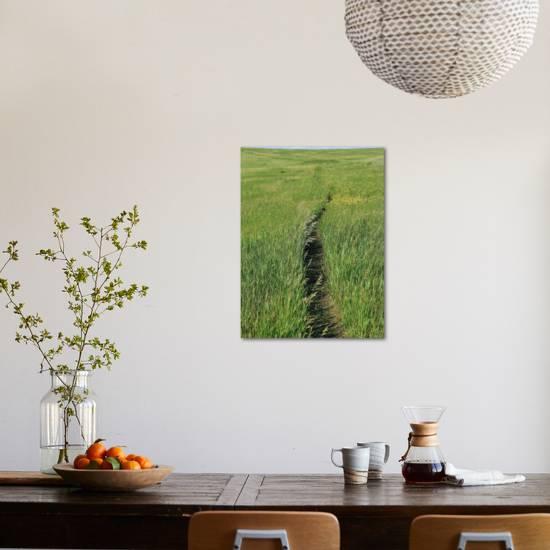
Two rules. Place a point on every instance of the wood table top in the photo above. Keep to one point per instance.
(187, 493)
(328, 492)
(178, 494)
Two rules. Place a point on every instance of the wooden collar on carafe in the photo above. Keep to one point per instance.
(424, 434)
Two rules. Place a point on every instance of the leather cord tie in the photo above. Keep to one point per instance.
(402, 459)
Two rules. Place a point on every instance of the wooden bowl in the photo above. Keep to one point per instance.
(112, 480)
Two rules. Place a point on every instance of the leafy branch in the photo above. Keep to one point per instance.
(93, 288)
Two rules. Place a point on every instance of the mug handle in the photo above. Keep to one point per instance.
(332, 457)
(387, 453)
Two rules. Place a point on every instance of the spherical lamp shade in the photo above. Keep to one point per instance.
(440, 48)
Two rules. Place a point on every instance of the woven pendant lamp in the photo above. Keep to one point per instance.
(440, 48)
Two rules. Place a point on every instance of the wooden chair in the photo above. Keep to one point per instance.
(506, 532)
(263, 531)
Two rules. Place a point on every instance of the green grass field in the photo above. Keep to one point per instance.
(280, 191)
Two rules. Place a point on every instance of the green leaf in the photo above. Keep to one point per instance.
(113, 462)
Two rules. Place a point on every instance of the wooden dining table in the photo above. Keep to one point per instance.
(374, 516)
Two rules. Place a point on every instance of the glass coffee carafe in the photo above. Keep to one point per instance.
(423, 462)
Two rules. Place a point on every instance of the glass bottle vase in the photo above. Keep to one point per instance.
(67, 428)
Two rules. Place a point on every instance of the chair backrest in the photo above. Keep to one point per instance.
(524, 531)
(263, 531)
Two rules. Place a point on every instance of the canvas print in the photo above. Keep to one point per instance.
(312, 242)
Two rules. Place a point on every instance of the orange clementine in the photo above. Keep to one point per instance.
(116, 452)
(131, 456)
(82, 463)
(131, 465)
(77, 458)
(144, 462)
(110, 463)
(96, 449)
(95, 463)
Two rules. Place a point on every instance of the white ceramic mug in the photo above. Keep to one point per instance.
(355, 462)
(379, 454)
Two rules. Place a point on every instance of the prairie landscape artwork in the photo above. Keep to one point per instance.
(312, 242)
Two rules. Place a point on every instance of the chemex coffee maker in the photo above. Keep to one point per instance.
(423, 462)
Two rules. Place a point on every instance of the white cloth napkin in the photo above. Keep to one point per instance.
(464, 478)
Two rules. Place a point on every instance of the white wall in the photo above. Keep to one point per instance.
(104, 104)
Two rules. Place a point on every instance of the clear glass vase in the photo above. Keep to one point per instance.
(67, 428)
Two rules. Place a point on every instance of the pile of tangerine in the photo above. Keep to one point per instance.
(98, 457)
